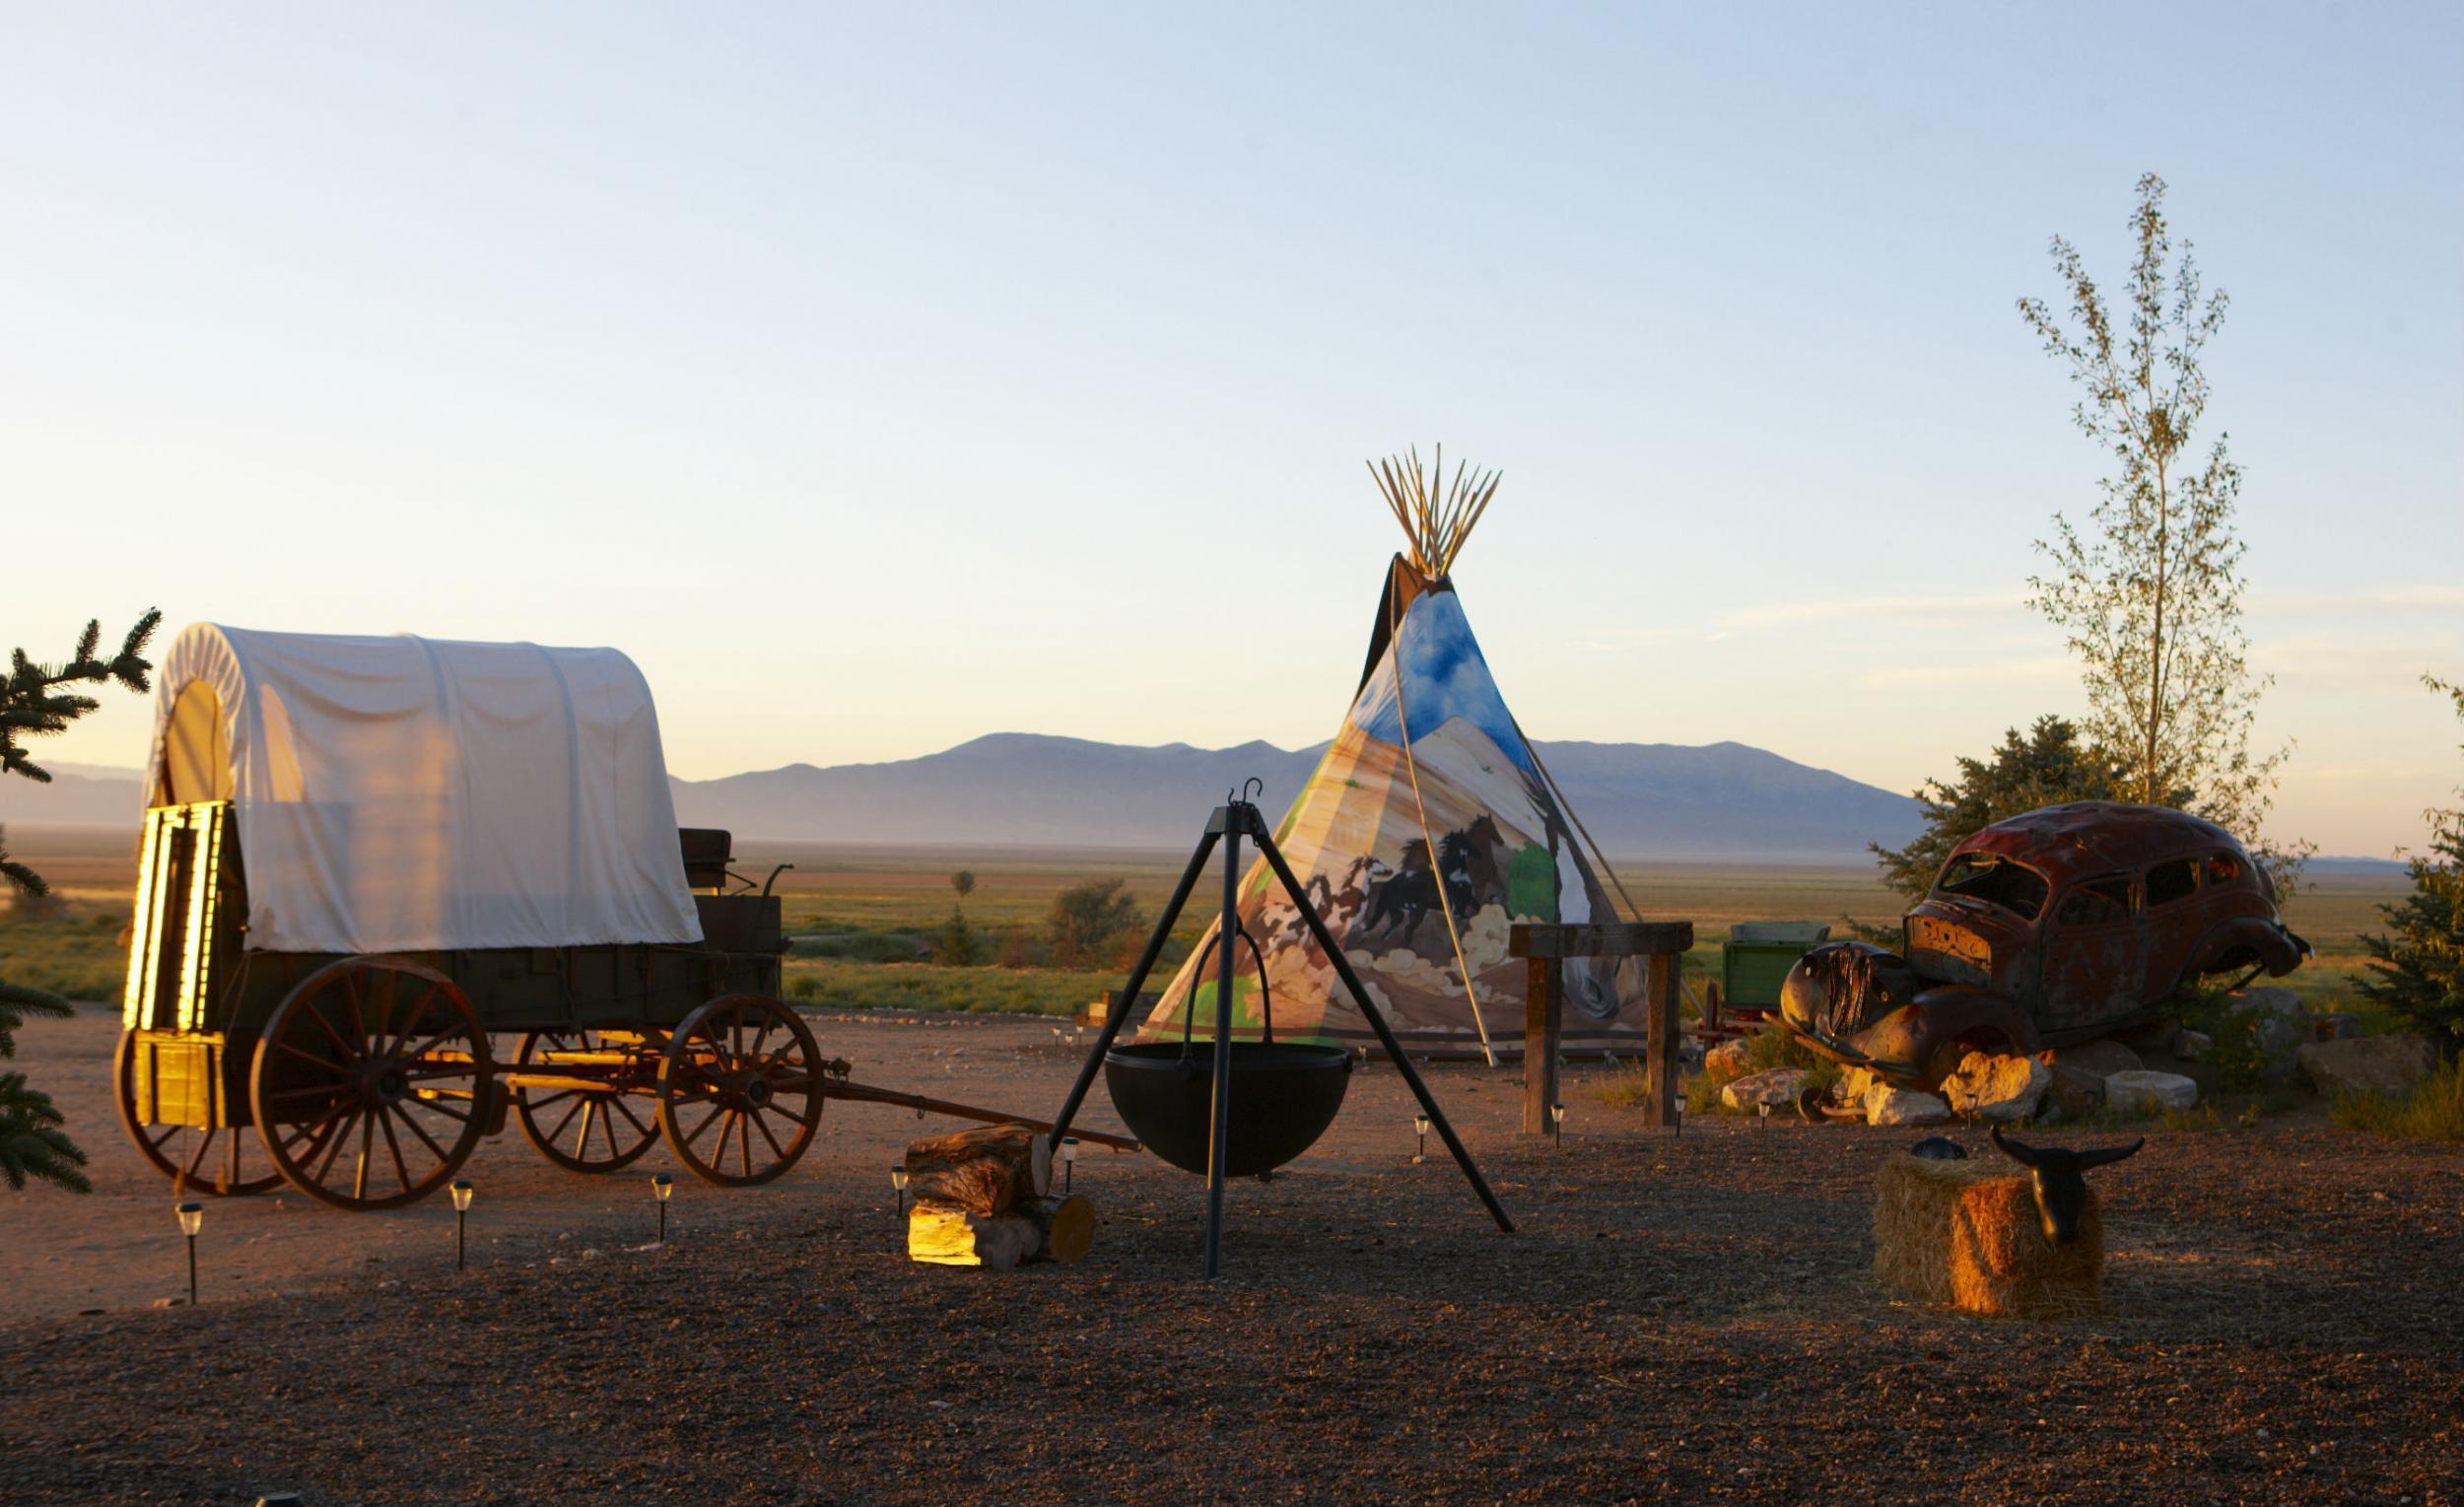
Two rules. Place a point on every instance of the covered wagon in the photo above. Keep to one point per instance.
(394, 890)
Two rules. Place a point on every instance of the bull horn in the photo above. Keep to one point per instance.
(2018, 1151)
(2109, 1154)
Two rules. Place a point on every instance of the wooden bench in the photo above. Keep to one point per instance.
(1661, 944)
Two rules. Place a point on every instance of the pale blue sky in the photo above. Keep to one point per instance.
(885, 376)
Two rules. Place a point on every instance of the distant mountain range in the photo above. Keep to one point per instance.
(1720, 803)
(1642, 799)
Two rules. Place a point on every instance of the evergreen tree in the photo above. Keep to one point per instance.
(32, 704)
(2420, 963)
(2046, 766)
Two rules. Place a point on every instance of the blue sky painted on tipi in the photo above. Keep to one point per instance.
(1444, 678)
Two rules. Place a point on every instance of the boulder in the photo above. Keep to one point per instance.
(2150, 1038)
(2193, 1046)
(1885, 1105)
(2283, 1025)
(2368, 1065)
(2335, 1026)
(1991, 1086)
(1777, 1088)
(1855, 1084)
(2103, 1059)
(2146, 1092)
(1729, 1056)
(2075, 1092)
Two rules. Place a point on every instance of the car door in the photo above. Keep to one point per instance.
(2176, 922)
(2094, 955)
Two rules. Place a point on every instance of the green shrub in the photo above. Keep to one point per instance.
(2238, 1057)
(2433, 1111)
(1771, 1046)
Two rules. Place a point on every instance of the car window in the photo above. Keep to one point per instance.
(1994, 880)
(2225, 868)
(2096, 902)
(2169, 882)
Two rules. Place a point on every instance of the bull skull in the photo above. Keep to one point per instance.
(2060, 1181)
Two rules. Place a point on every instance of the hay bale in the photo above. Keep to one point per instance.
(1967, 1234)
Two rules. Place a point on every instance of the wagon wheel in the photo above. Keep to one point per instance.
(583, 1130)
(370, 1084)
(225, 1161)
(747, 1067)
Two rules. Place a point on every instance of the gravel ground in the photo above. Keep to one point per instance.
(1685, 1318)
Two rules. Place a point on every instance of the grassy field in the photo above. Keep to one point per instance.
(865, 918)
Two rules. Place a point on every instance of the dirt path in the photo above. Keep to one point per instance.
(1688, 1317)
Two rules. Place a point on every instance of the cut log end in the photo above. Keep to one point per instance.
(981, 1171)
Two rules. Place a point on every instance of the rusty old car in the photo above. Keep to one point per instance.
(2047, 928)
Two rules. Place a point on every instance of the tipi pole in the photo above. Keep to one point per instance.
(1219, 1133)
(1119, 1015)
(1376, 1018)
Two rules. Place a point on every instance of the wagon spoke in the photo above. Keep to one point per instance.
(424, 1047)
(582, 1137)
(342, 1137)
(421, 1131)
(350, 1052)
(716, 1109)
(323, 1091)
(393, 1147)
(763, 1127)
(198, 1159)
(575, 1108)
(330, 1067)
(428, 1098)
(618, 1104)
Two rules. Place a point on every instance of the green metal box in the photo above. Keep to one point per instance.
(1755, 959)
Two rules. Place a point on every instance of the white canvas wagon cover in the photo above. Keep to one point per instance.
(397, 794)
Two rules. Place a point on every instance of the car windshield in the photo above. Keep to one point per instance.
(1994, 880)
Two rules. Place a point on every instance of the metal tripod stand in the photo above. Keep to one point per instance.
(1235, 818)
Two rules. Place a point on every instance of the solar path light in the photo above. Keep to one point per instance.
(1068, 1162)
(1420, 1134)
(662, 1187)
(462, 1192)
(191, 1220)
(1557, 1125)
(898, 1184)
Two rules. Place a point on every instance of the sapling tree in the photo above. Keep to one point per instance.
(957, 943)
(33, 704)
(2149, 586)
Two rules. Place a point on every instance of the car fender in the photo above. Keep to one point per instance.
(1948, 1014)
(2268, 942)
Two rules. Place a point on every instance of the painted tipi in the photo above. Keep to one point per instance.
(1429, 828)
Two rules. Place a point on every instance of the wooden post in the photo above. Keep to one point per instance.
(1543, 1031)
(1660, 972)
(1662, 945)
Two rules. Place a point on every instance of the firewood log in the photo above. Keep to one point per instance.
(981, 1171)
(1054, 1227)
(946, 1236)
(1064, 1226)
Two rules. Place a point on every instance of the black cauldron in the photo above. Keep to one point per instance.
(1283, 1097)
